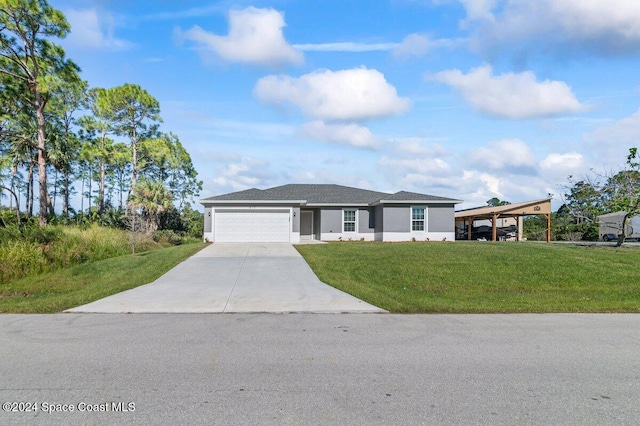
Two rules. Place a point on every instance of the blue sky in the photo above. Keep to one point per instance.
(469, 99)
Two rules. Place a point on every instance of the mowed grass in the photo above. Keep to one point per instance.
(476, 277)
(81, 284)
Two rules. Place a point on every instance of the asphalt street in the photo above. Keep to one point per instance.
(336, 369)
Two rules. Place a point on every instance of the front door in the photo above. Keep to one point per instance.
(306, 225)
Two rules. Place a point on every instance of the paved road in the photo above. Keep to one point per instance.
(317, 369)
(234, 278)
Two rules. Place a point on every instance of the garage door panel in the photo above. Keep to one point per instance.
(263, 226)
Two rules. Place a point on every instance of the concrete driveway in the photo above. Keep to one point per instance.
(234, 278)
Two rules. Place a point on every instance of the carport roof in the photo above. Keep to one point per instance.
(321, 194)
(516, 209)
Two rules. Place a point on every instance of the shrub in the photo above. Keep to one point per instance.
(33, 250)
(167, 237)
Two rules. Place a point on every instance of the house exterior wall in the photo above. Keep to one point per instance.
(317, 220)
(331, 224)
(396, 219)
(208, 220)
(440, 218)
(380, 223)
(364, 221)
(396, 223)
(330, 221)
(295, 220)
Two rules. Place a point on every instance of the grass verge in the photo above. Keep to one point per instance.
(477, 277)
(81, 284)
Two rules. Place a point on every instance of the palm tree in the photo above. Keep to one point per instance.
(151, 199)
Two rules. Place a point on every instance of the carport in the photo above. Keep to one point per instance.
(516, 210)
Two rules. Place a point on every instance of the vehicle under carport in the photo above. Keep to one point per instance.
(466, 218)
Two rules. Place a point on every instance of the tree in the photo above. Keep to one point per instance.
(151, 199)
(147, 201)
(622, 191)
(67, 99)
(134, 113)
(99, 122)
(164, 159)
(584, 200)
(495, 202)
(36, 65)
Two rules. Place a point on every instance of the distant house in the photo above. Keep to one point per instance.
(299, 212)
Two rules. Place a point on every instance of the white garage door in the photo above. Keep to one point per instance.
(251, 226)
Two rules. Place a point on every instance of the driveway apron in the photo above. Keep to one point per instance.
(240, 277)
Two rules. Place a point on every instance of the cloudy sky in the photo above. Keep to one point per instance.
(470, 99)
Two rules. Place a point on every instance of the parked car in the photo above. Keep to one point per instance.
(485, 233)
(609, 237)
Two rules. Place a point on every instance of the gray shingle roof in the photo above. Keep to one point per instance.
(414, 196)
(246, 195)
(323, 194)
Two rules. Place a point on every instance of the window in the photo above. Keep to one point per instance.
(417, 218)
(349, 220)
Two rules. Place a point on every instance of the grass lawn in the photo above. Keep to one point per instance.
(466, 277)
(77, 285)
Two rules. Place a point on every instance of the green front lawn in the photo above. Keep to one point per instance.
(78, 285)
(465, 277)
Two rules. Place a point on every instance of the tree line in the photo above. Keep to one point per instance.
(61, 139)
(594, 195)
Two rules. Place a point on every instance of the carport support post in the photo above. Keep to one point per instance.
(548, 227)
(494, 230)
(469, 227)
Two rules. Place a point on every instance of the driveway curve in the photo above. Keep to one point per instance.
(235, 278)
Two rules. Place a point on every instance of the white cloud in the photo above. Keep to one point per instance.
(331, 177)
(478, 10)
(346, 46)
(570, 160)
(255, 37)
(411, 45)
(244, 174)
(422, 165)
(419, 146)
(414, 45)
(350, 134)
(606, 26)
(609, 145)
(557, 167)
(511, 95)
(624, 131)
(353, 94)
(508, 154)
(492, 183)
(93, 29)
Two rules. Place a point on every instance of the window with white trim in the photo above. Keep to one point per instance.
(349, 220)
(417, 218)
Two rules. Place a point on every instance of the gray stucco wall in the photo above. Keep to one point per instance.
(441, 218)
(397, 219)
(296, 219)
(378, 217)
(316, 223)
(364, 224)
(208, 220)
(331, 220)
